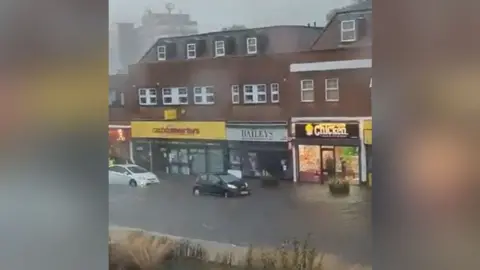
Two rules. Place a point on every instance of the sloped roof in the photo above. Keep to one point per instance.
(364, 5)
(226, 32)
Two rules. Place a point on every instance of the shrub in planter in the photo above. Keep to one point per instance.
(339, 187)
(268, 181)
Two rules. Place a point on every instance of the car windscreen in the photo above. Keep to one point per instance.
(228, 178)
(137, 169)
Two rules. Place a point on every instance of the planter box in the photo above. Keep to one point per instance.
(339, 188)
(269, 182)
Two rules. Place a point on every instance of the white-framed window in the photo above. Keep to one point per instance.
(191, 51)
(348, 31)
(254, 93)
(332, 90)
(161, 53)
(275, 93)
(307, 92)
(203, 95)
(219, 48)
(252, 45)
(235, 94)
(147, 96)
(175, 96)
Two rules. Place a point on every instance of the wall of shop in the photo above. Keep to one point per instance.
(318, 140)
(259, 149)
(178, 147)
(327, 150)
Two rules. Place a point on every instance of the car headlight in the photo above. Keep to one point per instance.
(231, 186)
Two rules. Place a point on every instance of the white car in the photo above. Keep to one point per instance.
(132, 175)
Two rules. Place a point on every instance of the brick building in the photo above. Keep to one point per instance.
(224, 101)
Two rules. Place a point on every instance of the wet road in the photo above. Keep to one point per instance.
(339, 225)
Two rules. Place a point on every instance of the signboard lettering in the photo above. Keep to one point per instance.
(176, 130)
(327, 130)
(261, 134)
(256, 134)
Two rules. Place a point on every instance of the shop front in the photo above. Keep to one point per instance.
(119, 138)
(176, 147)
(367, 140)
(259, 149)
(326, 150)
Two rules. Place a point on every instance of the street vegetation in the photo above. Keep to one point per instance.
(141, 250)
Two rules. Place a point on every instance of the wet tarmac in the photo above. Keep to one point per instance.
(339, 225)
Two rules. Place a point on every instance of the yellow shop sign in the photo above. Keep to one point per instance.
(179, 130)
(367, 131)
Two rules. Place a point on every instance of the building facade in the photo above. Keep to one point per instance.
(251, 111)
(329, 145)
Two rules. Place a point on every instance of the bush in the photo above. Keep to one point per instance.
(269, 181)
(140, 250)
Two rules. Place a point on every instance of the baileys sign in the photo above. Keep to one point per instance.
(257, 134)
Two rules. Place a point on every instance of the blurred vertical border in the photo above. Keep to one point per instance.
(424, 99)
(54, 109)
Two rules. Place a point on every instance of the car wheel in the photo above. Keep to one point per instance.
(132, 183)
(196, 192)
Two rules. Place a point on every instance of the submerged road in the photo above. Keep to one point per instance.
(338, 225)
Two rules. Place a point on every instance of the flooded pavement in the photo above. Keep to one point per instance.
(339, 225)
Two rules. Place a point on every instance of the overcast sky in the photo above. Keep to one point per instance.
(212, 15)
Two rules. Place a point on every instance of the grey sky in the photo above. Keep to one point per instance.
(214, 14)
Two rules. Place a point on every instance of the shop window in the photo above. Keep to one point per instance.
(309, 162)
(347, 164)
(216, 161)
(198, 160)
(235, 159)
(251, 166)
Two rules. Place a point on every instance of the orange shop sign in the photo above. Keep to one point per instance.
(179, 130)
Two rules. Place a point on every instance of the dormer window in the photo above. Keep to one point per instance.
(191, 51)
(161, 53)
(348, 31)
(252, 45)
(219, 48)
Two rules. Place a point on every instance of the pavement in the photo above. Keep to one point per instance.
(339, 225)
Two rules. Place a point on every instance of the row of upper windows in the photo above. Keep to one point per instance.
(204, 95)
(220, 50)
(252, 94)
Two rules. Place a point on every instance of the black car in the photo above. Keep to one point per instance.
(221, 184)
